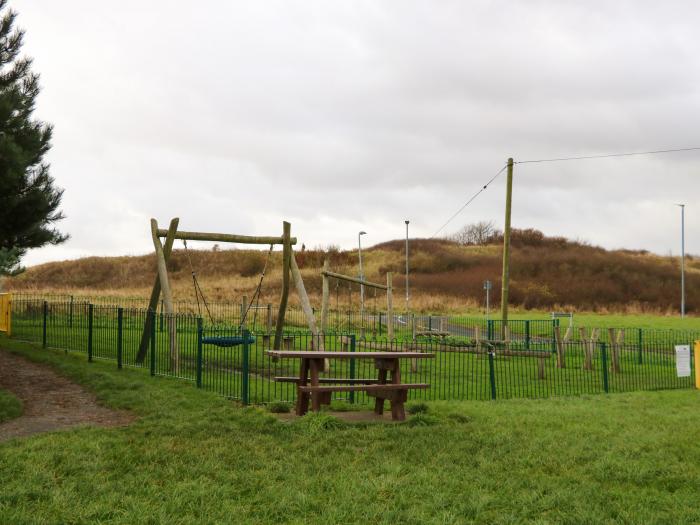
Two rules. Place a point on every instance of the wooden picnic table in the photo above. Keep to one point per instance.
(310, 386)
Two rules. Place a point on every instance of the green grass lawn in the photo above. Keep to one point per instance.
(193, 457)
(10, 406)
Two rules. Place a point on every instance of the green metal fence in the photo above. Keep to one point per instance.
(529, 366)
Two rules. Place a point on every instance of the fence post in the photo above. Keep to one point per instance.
(527, 335)
(555, 323)
(352, 366)
(380, 323)
(90, 334)
(639, 345)
(604, 355)
(70, 313)
(45, 315)
(120, 335)
(199, 352)
(152, 315)
(492, 375)
(430, 322)
(489, 330)
(244, 379)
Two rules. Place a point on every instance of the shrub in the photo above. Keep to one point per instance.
(416, 408)
(279, 407)
(315, 422)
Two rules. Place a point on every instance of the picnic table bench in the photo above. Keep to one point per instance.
(318, 390)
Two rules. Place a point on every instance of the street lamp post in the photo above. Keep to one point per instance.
(362, 277)
(682, 206)
(406, 266)
(487, 287)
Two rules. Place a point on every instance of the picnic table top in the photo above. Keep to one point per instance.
(347, 355)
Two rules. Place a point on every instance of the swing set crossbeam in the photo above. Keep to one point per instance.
(350, 279)
(225, 237)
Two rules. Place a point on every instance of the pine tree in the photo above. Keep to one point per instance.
(29, 201)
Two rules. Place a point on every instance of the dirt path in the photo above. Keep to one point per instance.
(50, 401)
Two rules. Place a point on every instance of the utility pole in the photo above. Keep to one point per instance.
(505, 278)
(406, 266)
(682, 206)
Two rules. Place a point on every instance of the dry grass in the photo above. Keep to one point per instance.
(547, 273)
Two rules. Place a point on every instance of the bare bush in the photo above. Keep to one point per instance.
(477, 234)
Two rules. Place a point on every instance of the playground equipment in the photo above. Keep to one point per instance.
(235, 340)
(6, 313)
(327, 275)
(290, 271)
(162, 282)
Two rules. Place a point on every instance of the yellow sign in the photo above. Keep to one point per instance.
(6, 313)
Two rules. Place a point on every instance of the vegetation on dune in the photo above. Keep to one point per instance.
(547, 273)
(194, 457)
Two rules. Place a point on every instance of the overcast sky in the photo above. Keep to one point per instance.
(342, 116)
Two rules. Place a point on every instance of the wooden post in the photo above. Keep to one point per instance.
(561, 359)
(540, 368)
(167, 298)
(316, 337)
(595, 334)
(244, 307)
(615, 349)
(389, 308)
(155, 292)
(304, 300)
(413, 327)
(505, 278)
(587, 363)
(325, 297)
(569, 333)
(286, 262)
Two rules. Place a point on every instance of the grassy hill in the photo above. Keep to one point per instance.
(546, 273)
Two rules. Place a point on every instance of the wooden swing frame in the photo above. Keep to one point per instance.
(162, 283)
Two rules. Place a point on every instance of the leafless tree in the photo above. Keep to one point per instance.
(476, 234)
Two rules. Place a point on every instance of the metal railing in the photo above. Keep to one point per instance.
(527, 366)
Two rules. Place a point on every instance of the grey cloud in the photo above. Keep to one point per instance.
(344, 116)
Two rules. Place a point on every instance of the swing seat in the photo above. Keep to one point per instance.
(228, 341)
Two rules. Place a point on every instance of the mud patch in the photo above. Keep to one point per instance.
(50, 401)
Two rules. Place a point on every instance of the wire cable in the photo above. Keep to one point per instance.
(604, 156)
(561, 159)
(469, 201)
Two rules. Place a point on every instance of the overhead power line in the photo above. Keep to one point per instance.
(560, 159)
(469, 201)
